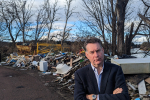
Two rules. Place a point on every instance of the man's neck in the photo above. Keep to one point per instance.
(99, 68)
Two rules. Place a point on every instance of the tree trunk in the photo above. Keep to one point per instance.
(62, 42)
(129, 40)
(128, 45)
(131, 36)
(121, 5)
(114, 35)
(106, 48)
(126, 42)
(23, 36)
(114, 31)
(12, 38)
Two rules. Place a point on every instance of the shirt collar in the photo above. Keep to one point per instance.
(95, 70)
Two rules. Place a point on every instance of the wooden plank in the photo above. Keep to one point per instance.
(71, 62)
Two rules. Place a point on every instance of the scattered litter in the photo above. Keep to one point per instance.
(146, 99)
(142, 88)
(76, 60)
(46, 73)
(58, 77)
(36, 58)
(137, 99)
(35, 63)
(54, 74)
(63, 66)
(18, 65)
(115, 57)
(3, 63)
(131, 86)
(46, 84)
(23, 69)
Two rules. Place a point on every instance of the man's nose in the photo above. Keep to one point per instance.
(95, 54)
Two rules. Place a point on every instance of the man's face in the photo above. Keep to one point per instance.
(95, 53)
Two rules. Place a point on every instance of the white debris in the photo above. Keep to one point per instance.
(142, 88)
(62, 68)
(43, 65)
(129, 84)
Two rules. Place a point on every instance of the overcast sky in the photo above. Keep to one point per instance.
(134, 5)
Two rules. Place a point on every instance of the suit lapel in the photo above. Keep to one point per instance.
(92, 79)
(104, 79)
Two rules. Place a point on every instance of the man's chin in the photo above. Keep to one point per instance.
(98, 63)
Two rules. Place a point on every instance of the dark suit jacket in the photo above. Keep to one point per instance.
(112, 78)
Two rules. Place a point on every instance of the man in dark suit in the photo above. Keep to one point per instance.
(99, 80)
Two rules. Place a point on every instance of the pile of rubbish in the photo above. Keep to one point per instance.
(64, 65)
(138, 86)
(61, 65)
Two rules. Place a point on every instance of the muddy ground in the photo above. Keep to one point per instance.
(31, 84)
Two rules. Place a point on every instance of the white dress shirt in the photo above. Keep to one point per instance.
(98, 77)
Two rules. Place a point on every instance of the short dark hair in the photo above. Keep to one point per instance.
(92, 40)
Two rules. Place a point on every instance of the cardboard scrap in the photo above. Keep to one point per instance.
(148, 80)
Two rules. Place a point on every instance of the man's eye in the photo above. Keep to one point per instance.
(98, 51)
(91, 52)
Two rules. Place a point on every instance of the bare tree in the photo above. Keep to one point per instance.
(110, 13)
(51, 12)
(95, 19)
(68, 13)
(145, 19)
(40, 27)
(8, 16)
(121, 8)
(83, 32)
(23, 16)
(133, 33)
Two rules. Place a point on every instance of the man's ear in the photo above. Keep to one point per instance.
(86, 54)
